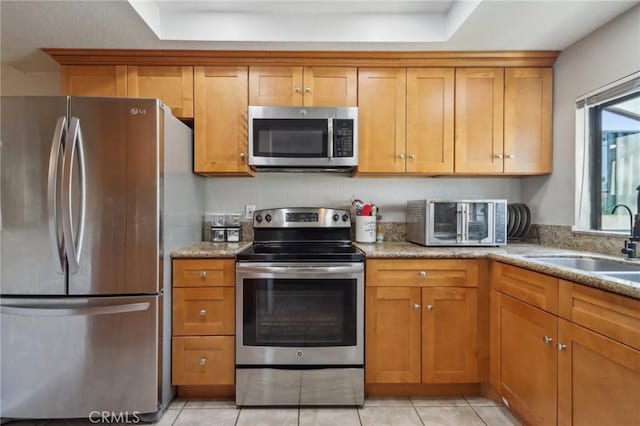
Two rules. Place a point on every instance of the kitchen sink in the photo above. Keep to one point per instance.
(590, 264)
(631, 276)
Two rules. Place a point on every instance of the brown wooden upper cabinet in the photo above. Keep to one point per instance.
(478, 120)
(503, 120)
(406, 120)
(94, 80)
(172, 85)
(220, 134)
(527, 120)
(381, 116)
(303, 86)
(430, 99)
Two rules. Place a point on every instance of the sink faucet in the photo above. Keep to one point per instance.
(631, 246)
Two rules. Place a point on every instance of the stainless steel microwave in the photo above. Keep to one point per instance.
(303, 137)
(457, 222)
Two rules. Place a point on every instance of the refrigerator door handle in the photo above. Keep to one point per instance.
(57, 242)
(66, 311)
(73, 243)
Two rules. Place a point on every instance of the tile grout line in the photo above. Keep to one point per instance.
(179, 412)
(237, 416)
(416, 410)
(478, 414)
(358, 412)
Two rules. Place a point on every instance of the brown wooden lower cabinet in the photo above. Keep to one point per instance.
(449, 335)
(203, 360)
(392, 335)
(421, 335)
(598, 380)
(528, 354)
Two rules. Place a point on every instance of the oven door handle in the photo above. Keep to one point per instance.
(301, 269)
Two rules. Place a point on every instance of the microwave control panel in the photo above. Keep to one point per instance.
(342, 137)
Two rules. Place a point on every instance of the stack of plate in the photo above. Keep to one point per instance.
(519, 221)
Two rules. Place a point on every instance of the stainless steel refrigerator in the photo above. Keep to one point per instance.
(95, 194)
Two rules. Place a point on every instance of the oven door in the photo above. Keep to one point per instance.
(299, 314)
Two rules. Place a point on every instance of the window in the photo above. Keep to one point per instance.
(608, 148)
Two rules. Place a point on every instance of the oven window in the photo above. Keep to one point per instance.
(445, 221)
(290, 138)
(299, 312)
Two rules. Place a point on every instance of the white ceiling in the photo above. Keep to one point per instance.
(27, 26)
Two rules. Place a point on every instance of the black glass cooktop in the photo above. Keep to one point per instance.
(299, 252)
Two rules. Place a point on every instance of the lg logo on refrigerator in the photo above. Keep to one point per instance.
(138, 111)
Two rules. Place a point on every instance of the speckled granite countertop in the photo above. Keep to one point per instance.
(514, 254)
(210, 250)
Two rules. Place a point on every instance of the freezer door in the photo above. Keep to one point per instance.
(65, 358)
(31, 146)
(112, 186)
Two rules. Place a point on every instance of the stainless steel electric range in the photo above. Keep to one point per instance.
(300, 311)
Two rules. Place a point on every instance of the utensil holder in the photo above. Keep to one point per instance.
(366, 229)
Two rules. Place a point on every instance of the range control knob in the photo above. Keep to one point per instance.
(259, 218)
(336, 217)
(345, 217)
(268, 217)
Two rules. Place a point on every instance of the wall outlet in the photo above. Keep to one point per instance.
(248, 212)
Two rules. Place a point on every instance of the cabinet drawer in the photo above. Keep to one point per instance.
(422, 272)
(203, 272)
(203, 311)
(532, 287)
(613, 315)
(203, 360)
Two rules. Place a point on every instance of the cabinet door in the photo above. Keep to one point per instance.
(220, 144)
(275, 86)
(330, 86)
(527, 120)
(172, 85)
(430, 97)
(599, 379)
(392, 335)
(381, 114)
(94, 80)
(449, 335)
(478, 123)
(529, 369)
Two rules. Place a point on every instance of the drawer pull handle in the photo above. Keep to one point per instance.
(562, 347)
(203, 361)
(423, 274)
(429, 307)
(203, 312)
(203, 274)
(416, 307)
(547, 340)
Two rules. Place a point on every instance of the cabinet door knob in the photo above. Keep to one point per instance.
(416, 307)
(307, 90)
(562, 347)
(547, 340)
(203, 274)
(203, 361)
(412, 156)
(401, 156)
(297, 89)
(423, 274)
(499, 156)
(511, 156)
(429, 307)
(242, 155)
(203, 312)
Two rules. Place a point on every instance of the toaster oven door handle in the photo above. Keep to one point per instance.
(301, 269)
(330, 138)
(463, 222)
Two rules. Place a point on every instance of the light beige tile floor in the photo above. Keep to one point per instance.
(419, 411)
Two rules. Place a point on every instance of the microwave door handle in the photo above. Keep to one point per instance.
(459, 223)
(330, 138)
(465, 222)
